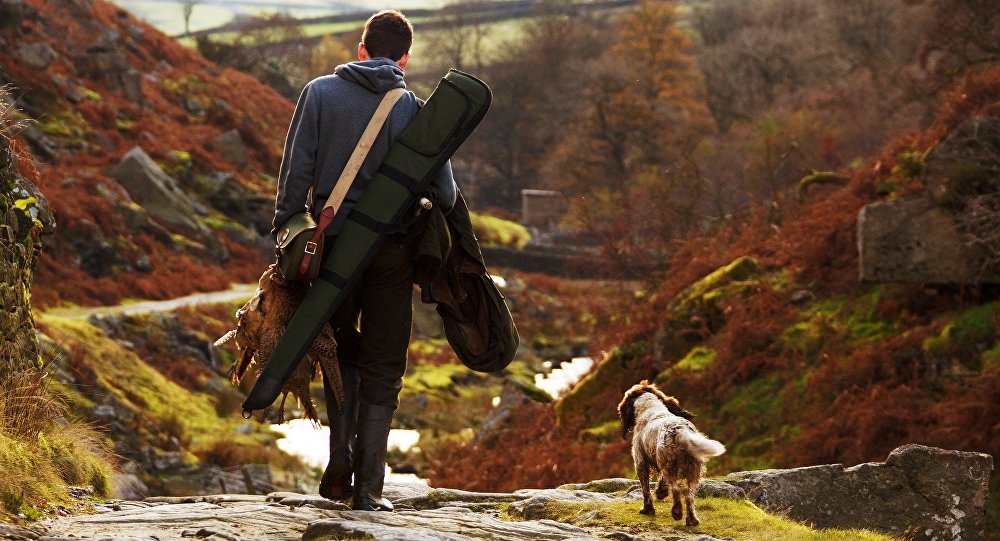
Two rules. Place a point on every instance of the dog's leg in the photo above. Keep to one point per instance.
(677, 511)
(692, 518)
(642, 471)
(663, 487)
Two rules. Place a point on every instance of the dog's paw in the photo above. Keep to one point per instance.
(647, 509)
(677, 511)
(691, 521)
(662, 492)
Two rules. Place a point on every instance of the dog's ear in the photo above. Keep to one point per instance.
(626, 410)
(675, 407)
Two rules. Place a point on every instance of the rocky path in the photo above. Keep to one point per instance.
(235, 293)
(422, 514)
(918, 493)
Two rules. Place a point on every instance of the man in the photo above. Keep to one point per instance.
(329, 118)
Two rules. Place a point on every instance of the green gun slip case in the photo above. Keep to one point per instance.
(446, 120)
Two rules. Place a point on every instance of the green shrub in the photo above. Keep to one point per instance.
(493, 231)
(967, 336)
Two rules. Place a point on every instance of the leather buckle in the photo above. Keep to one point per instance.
(310, 248)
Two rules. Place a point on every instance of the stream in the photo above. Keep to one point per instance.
(311, 444)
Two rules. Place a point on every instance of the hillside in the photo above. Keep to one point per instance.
(765, 332)
(97, 82)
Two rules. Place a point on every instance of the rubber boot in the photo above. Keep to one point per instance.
(336, 482)
(369, 458)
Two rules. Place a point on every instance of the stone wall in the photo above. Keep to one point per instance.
(24, 219)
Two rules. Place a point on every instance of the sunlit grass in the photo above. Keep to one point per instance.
(720, 518)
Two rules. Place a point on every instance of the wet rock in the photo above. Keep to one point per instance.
(931, 493)
(230, 145)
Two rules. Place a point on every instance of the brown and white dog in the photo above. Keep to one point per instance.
(665, 441)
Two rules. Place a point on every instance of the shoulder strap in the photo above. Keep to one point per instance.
(361, 150)
(347, 175)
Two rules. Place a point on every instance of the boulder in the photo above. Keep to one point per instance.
(243, 205)
(99, 256)
(105, 62)
(512, 396)
(230, 145)
(36, 55)
(924, 493)
(915, 241)
(946, 236)
(137, 218)
(162, 197)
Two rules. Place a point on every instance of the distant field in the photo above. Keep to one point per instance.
(167, 16)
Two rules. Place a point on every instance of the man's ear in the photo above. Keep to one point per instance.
(362, 52)
(403, 61)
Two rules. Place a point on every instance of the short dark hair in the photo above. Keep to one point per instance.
(388, 34)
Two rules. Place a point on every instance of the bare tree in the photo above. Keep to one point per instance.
(187, 7)
(458, 41)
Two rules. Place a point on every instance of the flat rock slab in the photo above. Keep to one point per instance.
(445, 524)
(443, 497)
(234, 521)
(929, 494)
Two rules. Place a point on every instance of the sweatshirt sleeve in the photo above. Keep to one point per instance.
(298, 161)
(444, 189)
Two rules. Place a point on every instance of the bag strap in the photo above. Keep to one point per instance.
(350, 171)
(361, 150)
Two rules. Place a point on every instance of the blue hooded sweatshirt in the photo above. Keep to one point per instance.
(330, 116)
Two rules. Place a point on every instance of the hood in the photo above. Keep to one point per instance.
(378, 74)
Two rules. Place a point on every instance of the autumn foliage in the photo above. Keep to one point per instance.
(846, 377)
(86, 126)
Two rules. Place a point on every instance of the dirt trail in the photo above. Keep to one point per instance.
(235, 293)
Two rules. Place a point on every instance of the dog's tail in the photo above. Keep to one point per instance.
(701, 446)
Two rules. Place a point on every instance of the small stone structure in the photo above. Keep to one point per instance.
(542, 208)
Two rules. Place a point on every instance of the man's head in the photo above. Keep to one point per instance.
(387, 34)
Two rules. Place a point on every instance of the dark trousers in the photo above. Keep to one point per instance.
(372, 326)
